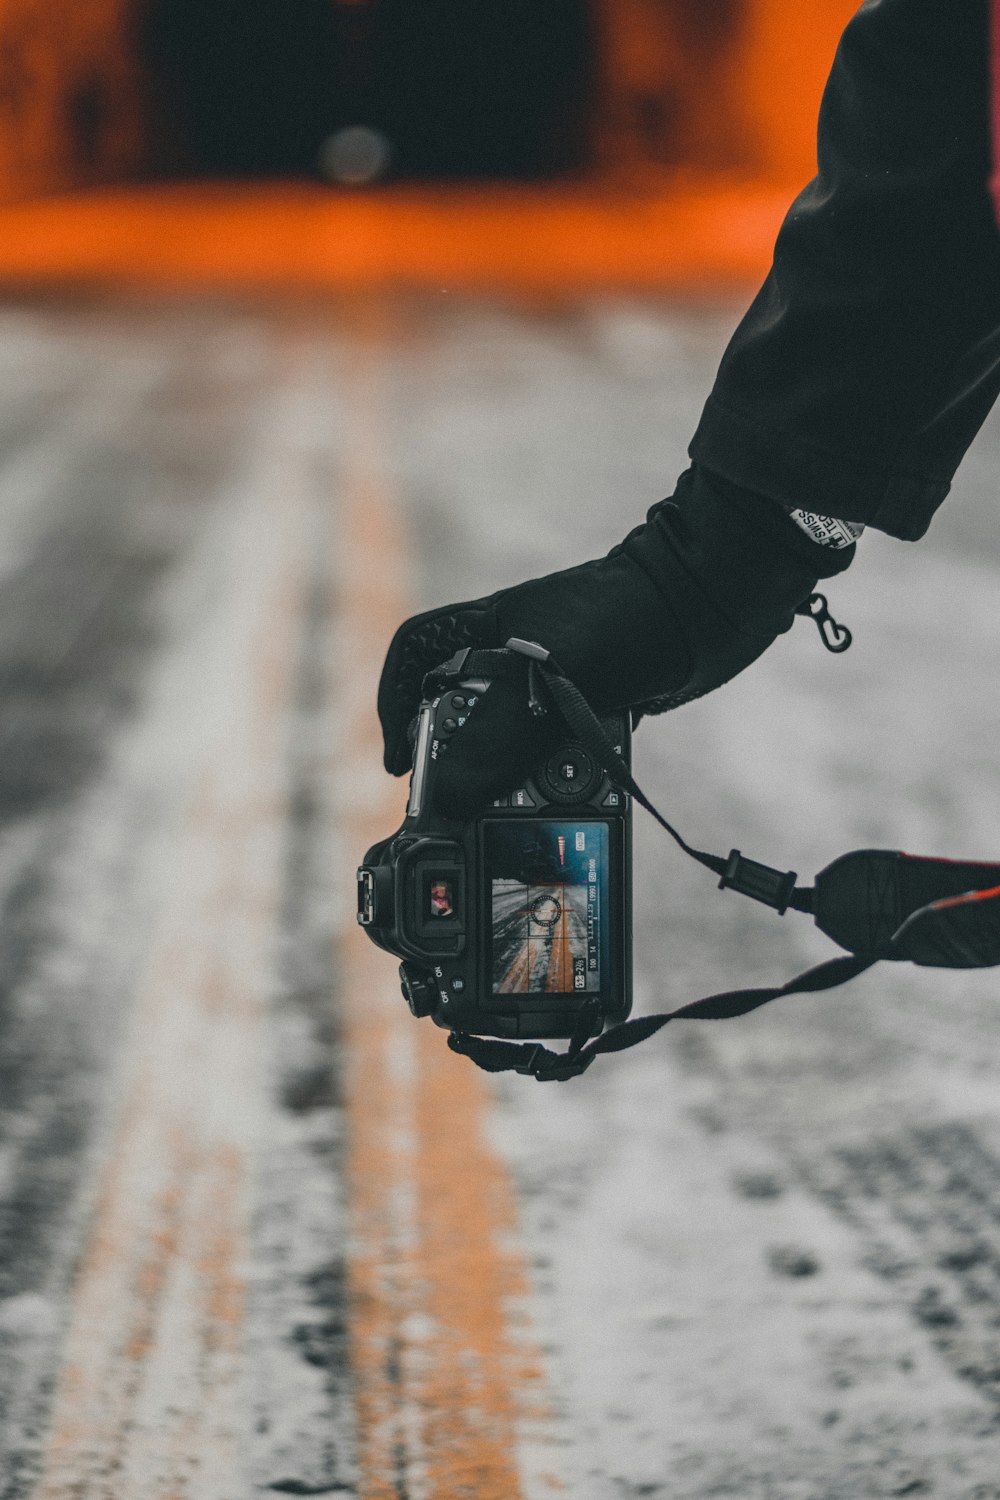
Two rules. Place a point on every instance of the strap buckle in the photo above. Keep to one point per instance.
(454, 666)
(531, 649)
(563, 1067)
(540, 661)
(527, 1064)
(545, 1066)
(759, 882)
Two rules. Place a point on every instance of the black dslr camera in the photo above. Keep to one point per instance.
(517, 923)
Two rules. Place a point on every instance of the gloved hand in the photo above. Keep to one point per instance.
(683, 604)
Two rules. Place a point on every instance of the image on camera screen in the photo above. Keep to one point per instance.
(441, 901)
(548, 885)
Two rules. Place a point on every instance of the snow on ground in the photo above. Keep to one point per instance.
(764, 1255)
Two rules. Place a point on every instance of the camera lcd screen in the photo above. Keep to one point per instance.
(549, 906)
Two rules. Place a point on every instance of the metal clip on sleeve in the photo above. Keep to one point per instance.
(835, 637)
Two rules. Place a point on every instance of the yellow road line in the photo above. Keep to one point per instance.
(443, 1363)
(152, 1399)
(560, 974)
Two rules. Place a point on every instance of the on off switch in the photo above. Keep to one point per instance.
(419, 990)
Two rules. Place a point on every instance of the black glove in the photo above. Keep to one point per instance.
(683, 604)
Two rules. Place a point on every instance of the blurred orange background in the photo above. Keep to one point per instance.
(449, 143)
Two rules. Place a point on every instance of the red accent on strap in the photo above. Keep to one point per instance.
(930, 858)
(969, 896)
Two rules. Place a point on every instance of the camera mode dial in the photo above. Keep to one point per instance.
(570, 775)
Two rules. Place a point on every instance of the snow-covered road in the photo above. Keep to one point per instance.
(260, 1233)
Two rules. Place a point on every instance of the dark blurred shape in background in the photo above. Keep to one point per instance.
(699, 111)
(72, 105)
(474, 89)
(457, 88)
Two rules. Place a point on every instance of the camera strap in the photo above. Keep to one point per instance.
(877, 904)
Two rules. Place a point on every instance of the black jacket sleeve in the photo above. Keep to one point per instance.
(871, 355)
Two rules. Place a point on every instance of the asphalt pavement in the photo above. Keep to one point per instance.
(260, 1233)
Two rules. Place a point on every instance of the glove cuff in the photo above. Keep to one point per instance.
(744, 553)
(774, 521)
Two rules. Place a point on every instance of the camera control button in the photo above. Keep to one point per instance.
(457, 701)
(448, 726)
(522, 798)
(613, 799)
(570, 775)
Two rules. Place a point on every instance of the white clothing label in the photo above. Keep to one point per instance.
(827, 530)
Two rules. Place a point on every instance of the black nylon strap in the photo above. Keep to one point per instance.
(950, 931)
(592, 735)
(957, 932)
(578, 715)
(540, 1063)
(545, 677)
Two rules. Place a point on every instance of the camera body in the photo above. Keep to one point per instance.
(517, 922)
